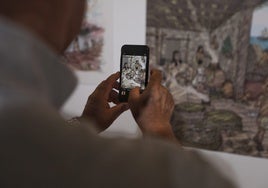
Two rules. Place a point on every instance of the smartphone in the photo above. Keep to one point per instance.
(134, 69)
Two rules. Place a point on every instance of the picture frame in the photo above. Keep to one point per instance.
(216, 70)
(90, 55)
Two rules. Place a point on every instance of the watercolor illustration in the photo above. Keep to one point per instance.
(214, 58)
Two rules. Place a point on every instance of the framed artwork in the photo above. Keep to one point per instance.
(214, 56)
(90, 54)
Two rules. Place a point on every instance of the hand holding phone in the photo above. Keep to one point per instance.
(153, 108)
(134, 68)
(98, 109)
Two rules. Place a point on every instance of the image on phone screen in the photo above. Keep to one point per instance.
(133, 72)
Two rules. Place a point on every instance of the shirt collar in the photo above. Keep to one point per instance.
(28, 64)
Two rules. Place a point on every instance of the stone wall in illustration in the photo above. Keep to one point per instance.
(229, 42)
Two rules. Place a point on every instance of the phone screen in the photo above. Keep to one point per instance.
(134, 69)
(133, 72)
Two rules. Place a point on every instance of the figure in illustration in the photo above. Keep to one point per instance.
(180, 81)
(176, 58)
(218, 78)
(199, 81)
(180, 70)
(200, 56)
(172, 66)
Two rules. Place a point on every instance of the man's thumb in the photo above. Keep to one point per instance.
(134, 95)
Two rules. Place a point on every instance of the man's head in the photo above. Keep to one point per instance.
(56, 22)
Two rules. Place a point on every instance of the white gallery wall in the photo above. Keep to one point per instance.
(129, 28)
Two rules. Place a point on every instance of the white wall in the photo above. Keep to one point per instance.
(247, 172)
(129, 27)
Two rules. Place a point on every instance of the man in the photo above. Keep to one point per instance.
(38, 149)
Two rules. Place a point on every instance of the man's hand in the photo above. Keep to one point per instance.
(98, 109)
(153, 108)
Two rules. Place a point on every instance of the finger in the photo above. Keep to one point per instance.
(116, 86)
(155, 79)
(111, 79)
(117, 110)
(106, 86)
(154, 84)
(134, 96)
(114, 97)
(167, 98)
